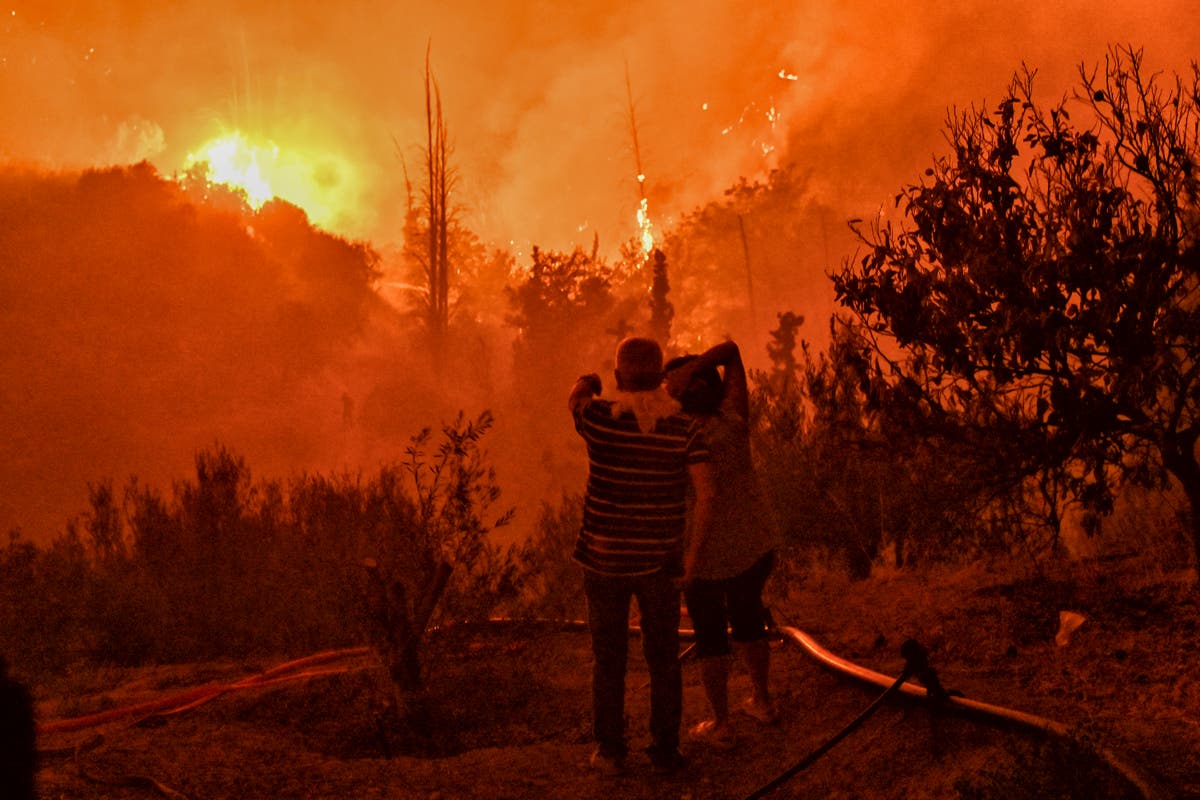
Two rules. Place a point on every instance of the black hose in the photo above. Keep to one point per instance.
(828, 745)
(973, 708)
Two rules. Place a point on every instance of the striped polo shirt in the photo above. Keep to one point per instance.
(636, 506)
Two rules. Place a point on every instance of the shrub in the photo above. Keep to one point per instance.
(226, 566)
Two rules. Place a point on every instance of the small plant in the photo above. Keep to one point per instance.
(551, 580)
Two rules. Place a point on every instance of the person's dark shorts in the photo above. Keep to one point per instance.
(732, 604)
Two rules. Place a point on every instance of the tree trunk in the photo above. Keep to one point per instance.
(398, 633)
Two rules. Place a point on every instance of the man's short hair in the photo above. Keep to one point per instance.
(639, 364)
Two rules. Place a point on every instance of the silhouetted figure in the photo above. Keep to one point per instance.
(17, 752)
(736, 555)
(642, 454)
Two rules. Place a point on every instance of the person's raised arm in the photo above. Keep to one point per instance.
(727, 355)
(586, 387)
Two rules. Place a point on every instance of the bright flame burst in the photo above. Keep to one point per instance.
(645, 226)
(320, 183)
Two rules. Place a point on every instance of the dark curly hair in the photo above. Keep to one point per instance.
(705, 390)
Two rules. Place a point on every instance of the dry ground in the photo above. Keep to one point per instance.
(509, 711)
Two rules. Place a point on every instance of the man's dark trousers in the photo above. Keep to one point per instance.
(608, 599)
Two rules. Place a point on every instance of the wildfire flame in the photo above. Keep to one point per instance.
(645, 226)
(318, 183)
(234, 161)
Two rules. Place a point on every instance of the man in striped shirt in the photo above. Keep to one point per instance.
(643, 453)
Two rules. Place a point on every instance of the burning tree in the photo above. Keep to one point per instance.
(1044, 283)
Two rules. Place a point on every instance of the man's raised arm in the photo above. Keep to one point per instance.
(585, 388)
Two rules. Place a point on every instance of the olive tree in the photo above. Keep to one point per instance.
(1043, 279)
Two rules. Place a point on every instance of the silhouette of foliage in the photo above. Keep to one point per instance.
(661, 310)
(553, 582)
(739, 253)
(853, 476)
(229, 566)
(1042, 284)
(561, 311)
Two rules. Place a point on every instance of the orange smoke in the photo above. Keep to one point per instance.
(136, 326)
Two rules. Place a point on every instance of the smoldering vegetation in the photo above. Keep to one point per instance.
(141, 323)
(195, 319)
(154, 329)
(145, 319)
(226, 565)
(148, 322)
(161, 340)
(214, 409)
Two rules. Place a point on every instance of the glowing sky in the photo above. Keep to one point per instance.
(535, 94)
(330, 96)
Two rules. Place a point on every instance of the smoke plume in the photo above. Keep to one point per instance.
(137, 327)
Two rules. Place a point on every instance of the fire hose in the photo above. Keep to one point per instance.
(932, 690)
(191, 698)
(915, 662)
